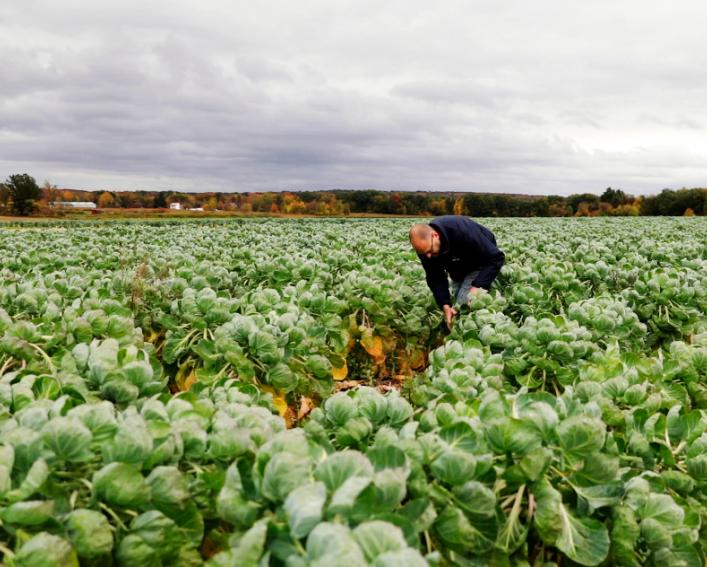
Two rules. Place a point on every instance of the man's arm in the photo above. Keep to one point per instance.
(493, 258)
(436, 280)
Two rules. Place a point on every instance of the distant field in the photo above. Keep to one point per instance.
(113, 214)
(283, 390)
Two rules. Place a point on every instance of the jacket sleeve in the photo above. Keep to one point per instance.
(436, 280)
(492, 259)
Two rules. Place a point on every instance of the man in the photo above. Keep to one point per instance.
(460, 248)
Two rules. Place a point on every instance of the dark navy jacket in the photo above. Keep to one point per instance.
(465, 246)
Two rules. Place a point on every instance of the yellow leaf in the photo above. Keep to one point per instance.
(340, 373)
(190, 380)
(373, 345)
(186, 377)
(278, 399)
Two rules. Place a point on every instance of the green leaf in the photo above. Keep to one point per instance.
(5, 480)
(584, 540)
(687, 555)
(663, 509)
(376, 537)
(601, 495)
(169, 488)
(372, 404)
(339, 467)
(391, 485)
(455, 528)
(283, 473)
(597, 468)
(333, 545)
(407, 557)
(68, 438)
(159, 532)
(282, 377)
(28, 513)
(319, 366)
(476, 499)
(264, 347)
(90, 533)
(344, 497)
(32, 483)
(304, 508)
(250, 547)
(46, 550)
(354, 431)
(121, 484)
(387, 457)
(655, 534)
(542, 416)
(98, 417)
(7, 456)
(232, 505)
(133, 550)
(132, 442)
(510, 435)
(420, 512)
(678, 481)
(513, 533)
(454, 467)
(580, 436)
(534, 464)
(340, 408)
(624, 537)
(697, 467)
(190, 522)
(460, 435)
(399, 411)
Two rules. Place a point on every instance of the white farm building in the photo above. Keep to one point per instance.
(74, 204)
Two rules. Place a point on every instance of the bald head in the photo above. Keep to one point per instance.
(424, 239)
(420, 233)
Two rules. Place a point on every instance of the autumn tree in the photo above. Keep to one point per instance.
(4, 198)
(106, 200)
(49, 193)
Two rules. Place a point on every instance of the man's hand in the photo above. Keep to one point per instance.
(449, 313)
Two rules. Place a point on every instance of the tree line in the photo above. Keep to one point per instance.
(20, 195)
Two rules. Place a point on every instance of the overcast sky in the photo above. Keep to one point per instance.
(543, 97)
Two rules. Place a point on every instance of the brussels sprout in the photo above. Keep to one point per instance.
(561, 350)
(121, 484)
(372, 405)
(68, 438)
(399, 410)
(319, 366)
(454, 467)
(354, 431)
(90, 533)
(636, 394)
(340, 408)
(133, 550)
(168, 487)
(282, 377)
(46, 550)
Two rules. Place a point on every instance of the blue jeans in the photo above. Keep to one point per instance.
(460, 290)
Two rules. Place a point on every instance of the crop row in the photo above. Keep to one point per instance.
(143, 368)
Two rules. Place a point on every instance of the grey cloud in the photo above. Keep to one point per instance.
(466, 96)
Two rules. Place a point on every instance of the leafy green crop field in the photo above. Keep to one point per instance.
(282, 392)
